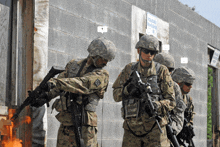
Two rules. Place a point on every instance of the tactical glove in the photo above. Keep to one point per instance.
(41, 100)
(49, 85)
(156, 107)
(132, 90)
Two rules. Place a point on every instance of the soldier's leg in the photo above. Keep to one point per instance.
(129, 140)
(66, 137)
(89, 135)
(156, 139)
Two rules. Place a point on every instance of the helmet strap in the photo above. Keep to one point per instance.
(94, 59)
(140, 58)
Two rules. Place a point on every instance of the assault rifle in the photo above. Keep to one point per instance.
(76, 111)
(145, 89)
(32, 95)
(170, 133)
(186, 134)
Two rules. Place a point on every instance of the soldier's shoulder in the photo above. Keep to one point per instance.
(74, 62)
(129, 66)
(101, 72)
(162, 67)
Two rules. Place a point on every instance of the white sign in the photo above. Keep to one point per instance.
(184, 60)
(166, 47)
(215, 58)
(102, 29)
(151, 24)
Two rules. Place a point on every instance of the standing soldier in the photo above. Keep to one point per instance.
(185, 78)
(177, 114)
(140, 127)
(81, 86)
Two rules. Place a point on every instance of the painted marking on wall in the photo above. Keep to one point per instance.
(184, 60)
(165, 47)
(102, 29)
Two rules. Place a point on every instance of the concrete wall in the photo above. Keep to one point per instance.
(73, 25)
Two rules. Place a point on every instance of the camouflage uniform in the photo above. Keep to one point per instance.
(137, 129)
(90, 86)
(182, 75)
(177, 114)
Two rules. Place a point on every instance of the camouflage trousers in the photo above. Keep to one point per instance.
(154, 139)
(66, 136)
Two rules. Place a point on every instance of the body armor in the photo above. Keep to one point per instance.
(132, 106)
(89, 102)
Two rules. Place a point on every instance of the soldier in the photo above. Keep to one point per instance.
(83, 84)
(140, 128)
(177, 114)
(185, 78)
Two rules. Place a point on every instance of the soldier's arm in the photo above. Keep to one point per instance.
(191, 109)
(96, 81)
(178, 111)
(55, 91)
(119, 82)
(166, 85)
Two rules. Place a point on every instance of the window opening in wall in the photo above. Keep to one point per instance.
(210, 54)
(140, 35)
(212, 99)
(209, 103)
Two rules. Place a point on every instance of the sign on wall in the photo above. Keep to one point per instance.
(184, 60)
(151, 24)
(215, 58)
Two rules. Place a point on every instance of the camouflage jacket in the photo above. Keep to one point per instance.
(177, 114)
(86, 84)
(144, 123)
(189, 112)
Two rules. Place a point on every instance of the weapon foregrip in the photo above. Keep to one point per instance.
(53, 71)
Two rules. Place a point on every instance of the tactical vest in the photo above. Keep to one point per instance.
(132, 107)
(89, 102)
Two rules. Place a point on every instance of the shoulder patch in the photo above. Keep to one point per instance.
(97, 82)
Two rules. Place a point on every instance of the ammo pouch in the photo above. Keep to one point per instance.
(91, 102)
(61, 103)
(130, 108)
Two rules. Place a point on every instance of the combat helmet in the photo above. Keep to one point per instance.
(148, 42)
(165, 59)
(183, 75)
(102, 47)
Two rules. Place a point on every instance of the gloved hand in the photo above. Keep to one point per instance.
(41, 100)
(132, 90)
(156, 107)
(49, 85)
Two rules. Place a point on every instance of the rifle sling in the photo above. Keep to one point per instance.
(143, 135)
(78, 138)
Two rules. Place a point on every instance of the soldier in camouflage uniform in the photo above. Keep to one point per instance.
(185, 78)
(139, 128)
(177, 114)
(87, 81)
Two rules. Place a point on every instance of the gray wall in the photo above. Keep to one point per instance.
(73, 25)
